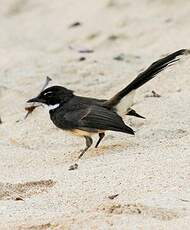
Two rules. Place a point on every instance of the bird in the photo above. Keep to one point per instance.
(86, 116)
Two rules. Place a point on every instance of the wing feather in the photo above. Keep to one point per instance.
(97, 117)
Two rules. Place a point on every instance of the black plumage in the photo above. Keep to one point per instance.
(89, 118)
(85, 116)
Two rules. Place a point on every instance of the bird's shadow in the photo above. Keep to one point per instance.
(105, 149)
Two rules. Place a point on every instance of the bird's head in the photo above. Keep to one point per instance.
(53, 95)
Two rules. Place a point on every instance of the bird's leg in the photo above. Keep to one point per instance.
(88, 144)
(101, 136)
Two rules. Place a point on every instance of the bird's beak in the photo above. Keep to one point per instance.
(36, 99)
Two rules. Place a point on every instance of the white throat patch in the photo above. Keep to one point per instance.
(52, 107)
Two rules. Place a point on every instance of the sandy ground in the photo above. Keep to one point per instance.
(150, 172)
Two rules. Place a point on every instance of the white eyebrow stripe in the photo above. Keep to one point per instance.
(49, 92)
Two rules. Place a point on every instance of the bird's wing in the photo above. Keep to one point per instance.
(97, 117)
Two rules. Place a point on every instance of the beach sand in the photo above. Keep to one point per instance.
(150, 172)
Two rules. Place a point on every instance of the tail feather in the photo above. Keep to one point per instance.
(155, 68)
(132, 112)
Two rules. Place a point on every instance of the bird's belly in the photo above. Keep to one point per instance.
(82, 133)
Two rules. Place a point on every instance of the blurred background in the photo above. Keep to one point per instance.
(94, 47)
(40, 38)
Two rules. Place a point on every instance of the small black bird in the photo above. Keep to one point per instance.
(85, 116)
